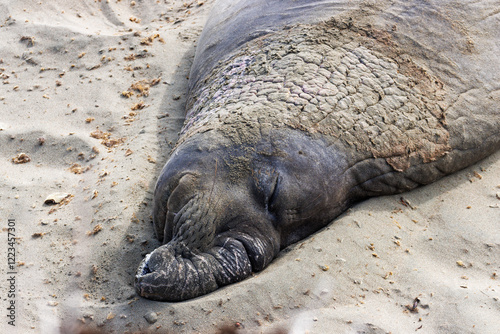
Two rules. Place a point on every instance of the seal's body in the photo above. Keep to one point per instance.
(297, 109)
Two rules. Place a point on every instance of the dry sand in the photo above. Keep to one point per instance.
(64, 67)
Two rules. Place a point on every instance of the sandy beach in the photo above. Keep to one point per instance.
(91, 102)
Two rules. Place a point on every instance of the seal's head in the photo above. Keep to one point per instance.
(224, 210)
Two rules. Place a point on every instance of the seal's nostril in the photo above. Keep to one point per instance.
(144, 267)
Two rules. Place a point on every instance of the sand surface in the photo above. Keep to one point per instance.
(92, 93)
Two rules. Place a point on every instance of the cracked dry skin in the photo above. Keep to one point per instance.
(280, 138)
(322, 80)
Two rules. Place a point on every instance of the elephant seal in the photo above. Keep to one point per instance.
(298, 109)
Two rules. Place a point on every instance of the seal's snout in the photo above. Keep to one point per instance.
(167, 276)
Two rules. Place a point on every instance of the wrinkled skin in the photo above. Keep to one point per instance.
(287, 152)
(217, 229)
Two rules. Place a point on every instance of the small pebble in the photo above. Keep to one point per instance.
(151, 317)
(56, 198)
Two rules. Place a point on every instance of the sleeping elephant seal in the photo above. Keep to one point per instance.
(298, 109)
